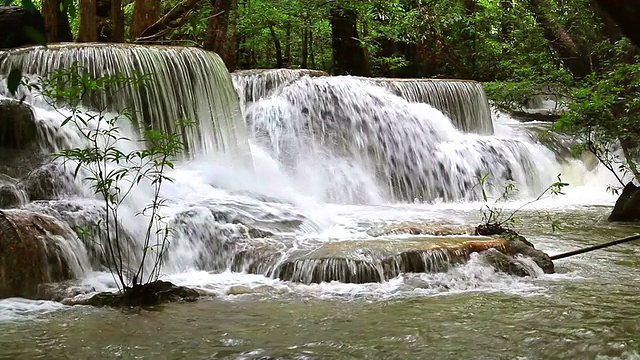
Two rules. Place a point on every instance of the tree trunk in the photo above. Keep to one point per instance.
(88, 21)
(145, 14)
(311, 53)
(56, 22)
(218, 38)
(348, 55)
(576, 56)
(305, 47)
(626, 14)
(276, 43)
(117, 21)
(470, 12)
(287, 45)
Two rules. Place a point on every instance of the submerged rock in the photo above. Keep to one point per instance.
(153, 293)
(419, 228)
(510, 264)
(36, 249)
(380, 260)
(627, 207)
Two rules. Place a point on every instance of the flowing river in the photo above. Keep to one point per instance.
(324, 159)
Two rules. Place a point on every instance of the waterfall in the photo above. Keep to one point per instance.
(252, 85)
(356, 136)
(185, 84)
(315, 141)
(463, 101)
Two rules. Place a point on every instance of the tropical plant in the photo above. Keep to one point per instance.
(604, 115)
(113, 172)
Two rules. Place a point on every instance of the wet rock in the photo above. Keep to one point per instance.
(46, 182)
(151, 294)
(9, 196)
(418, 228)
(518, 245)
(36, 249)
(17, 124)
(627, 207)
(258, 257)
(19, 152)
(380, 260)
(246, 290)
(505, 263)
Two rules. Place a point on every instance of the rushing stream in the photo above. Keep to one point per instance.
(327, 160)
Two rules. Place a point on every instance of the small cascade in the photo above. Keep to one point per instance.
(37, 249)
(185, 84)
(253, 85)
(357, 136)
(462, 101)
(380, 260)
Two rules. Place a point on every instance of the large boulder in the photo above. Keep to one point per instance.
(518, 245)
(20, 26)
(19, 149)
(365, 261)
(627, 207)
(36, 249)
(47, 182)
(17, 124)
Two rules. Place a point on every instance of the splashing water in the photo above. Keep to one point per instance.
(410, 150)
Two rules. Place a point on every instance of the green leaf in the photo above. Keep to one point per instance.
(13, 80)
(29, 6)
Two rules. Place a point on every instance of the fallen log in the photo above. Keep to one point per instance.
(20, 26)
(595, 247)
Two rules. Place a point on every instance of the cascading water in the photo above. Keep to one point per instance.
(314, 141)
(185, 84)
(462, 101)
(253, 85)
(354, 135)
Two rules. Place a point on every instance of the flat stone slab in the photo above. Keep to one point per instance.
(420, 228)
(365, 261)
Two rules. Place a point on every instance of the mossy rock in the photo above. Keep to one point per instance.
(150, 294)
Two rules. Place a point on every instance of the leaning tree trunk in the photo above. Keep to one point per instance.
(348, 54)
(88, 21)
(626, 14)
(575, 55)
(16, 24)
